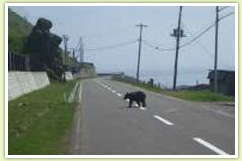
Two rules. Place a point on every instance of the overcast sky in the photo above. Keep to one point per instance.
(103, 26)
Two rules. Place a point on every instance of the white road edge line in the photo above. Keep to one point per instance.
(163, 120)
(78, 133)
(78, 119)
(210, 146)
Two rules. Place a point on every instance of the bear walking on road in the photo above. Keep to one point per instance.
(138, 97)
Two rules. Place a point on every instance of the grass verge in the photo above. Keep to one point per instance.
(200, 96)
(39, 122)
(141, 84)
(197, 96)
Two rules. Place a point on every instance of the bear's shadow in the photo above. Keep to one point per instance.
(126, 107)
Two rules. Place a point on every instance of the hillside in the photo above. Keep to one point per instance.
(18, 29)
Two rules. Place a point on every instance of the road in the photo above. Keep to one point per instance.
(167, 126)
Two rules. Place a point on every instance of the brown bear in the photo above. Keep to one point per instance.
(138, 97)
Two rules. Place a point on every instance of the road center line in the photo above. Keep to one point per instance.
(142, 108)
(163, 120)
(119, 94)
(210, 146)
(110, 89)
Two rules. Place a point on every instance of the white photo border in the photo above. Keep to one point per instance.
(121, 4)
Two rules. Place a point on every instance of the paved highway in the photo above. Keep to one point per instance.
(167, 126)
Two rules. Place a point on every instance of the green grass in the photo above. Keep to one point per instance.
(200, 96)
(140, 85)
(18, 30)
(197, 96)
(39, 122)
(149, 88)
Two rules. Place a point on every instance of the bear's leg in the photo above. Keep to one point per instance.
(138, 103)
(130, 103)
(144, 103)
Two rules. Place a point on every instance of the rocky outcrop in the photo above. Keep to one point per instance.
(87, 70)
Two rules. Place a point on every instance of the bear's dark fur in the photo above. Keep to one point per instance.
(138, 97)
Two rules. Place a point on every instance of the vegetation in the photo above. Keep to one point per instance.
(200, 96)
(18, 31)
(142, 84)
(39, 122)
(39, 43)
(148, 87)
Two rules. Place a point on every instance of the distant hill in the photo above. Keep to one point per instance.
(18, 30)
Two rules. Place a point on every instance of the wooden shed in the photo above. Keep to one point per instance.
(226, 81)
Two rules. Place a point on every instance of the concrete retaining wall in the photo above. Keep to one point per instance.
(20, 83)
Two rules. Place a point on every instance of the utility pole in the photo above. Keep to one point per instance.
(65, 39)
(81, 50)
(140, 43)
(216, 51)
(73, 53)
(178, 33)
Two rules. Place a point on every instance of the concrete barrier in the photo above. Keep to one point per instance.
(20, 83)
(68, 76)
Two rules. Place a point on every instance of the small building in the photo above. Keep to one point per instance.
(226, 81)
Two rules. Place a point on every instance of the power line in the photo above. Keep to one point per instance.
(150, 45)
(111, 46)
(205, 49)
(108, 33)
(192, 40)
(226, 15)
(157, 47)
(223, 8)
(205, 30)
(202, 46)
(187, 43)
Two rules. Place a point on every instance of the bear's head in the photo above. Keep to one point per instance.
(127, 96)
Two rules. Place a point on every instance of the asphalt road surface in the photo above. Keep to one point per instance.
(167, 126)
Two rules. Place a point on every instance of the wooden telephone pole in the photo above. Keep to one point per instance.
(140, 43)
(178, 33)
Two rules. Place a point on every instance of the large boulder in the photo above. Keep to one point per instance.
(43, 24)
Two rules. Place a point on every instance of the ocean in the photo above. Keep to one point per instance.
(183, 78)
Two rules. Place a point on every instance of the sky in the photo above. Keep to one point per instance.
(101, 26)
